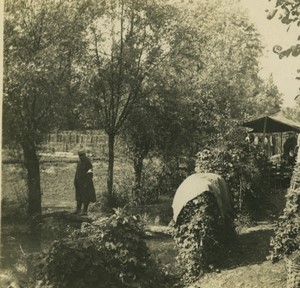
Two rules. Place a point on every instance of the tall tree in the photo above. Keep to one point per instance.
(227, 81)
(42, 43)
(128, 43)
(206, 87)
(269, 98)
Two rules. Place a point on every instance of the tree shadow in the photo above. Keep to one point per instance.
(247, 249)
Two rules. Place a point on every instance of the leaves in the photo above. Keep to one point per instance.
(199, 234)
(106, 253)
(272, 13)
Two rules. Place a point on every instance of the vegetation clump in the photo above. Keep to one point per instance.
(109, 252)
(200, 234)
(244, 168)
(286, 239)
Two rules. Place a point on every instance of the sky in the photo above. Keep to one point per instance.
(273, 32)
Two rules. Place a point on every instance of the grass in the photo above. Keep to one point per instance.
(57, 180)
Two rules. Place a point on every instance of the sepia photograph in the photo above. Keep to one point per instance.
(150, 143)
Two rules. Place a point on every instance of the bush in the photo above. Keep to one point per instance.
(108, 252)
(173, 171)
(150, 190)
(286, 239)
(244, 168)
(200, 234)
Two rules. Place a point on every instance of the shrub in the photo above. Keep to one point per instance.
(200, 234)
(173, 170)
(286, 239)
(150, 190)
(244, 168)
(109, 252)
(243, 221)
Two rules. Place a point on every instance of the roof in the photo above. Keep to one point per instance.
(273, 123)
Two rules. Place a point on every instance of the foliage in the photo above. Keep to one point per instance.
(108, 252)
(243, 221)
(269, 97)
(128, 41)
(161, 177)
(228, 74)
(243, 166)
(288, 12)
(43, 42)
(148, 191)
(42, 45)
(173, 171)
(286, 239)
(200, 234)
(208, 83)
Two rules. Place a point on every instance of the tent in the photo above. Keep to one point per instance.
(272, 123)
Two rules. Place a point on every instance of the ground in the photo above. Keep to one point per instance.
(248, 266)
(244, 266)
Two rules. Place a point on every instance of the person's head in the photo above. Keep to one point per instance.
(81, 154)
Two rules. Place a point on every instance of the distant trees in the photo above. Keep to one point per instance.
(269, 98)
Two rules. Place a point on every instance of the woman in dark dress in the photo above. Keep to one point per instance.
(84, 186)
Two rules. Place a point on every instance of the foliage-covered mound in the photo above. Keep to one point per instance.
(243, 166)
(108, 252)
(287, 233)
(200, 234)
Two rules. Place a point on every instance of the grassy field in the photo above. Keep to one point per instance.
(57, 181)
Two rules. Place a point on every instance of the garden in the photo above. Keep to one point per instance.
(133, 231)
(156, 93)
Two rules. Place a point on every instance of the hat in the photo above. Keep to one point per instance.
(81, 152)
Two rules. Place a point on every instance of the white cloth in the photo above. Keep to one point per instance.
(198, 183)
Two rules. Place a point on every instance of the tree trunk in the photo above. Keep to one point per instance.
(33, 179)
(111, 159)
(138, 168)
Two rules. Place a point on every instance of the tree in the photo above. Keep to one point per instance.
(139, 134)
(42, 43)
(204, 89)
(269, 97)
(288, 12)
(227, 80)
(128, 44)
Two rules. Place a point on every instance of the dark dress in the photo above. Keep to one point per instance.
(84, 186)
